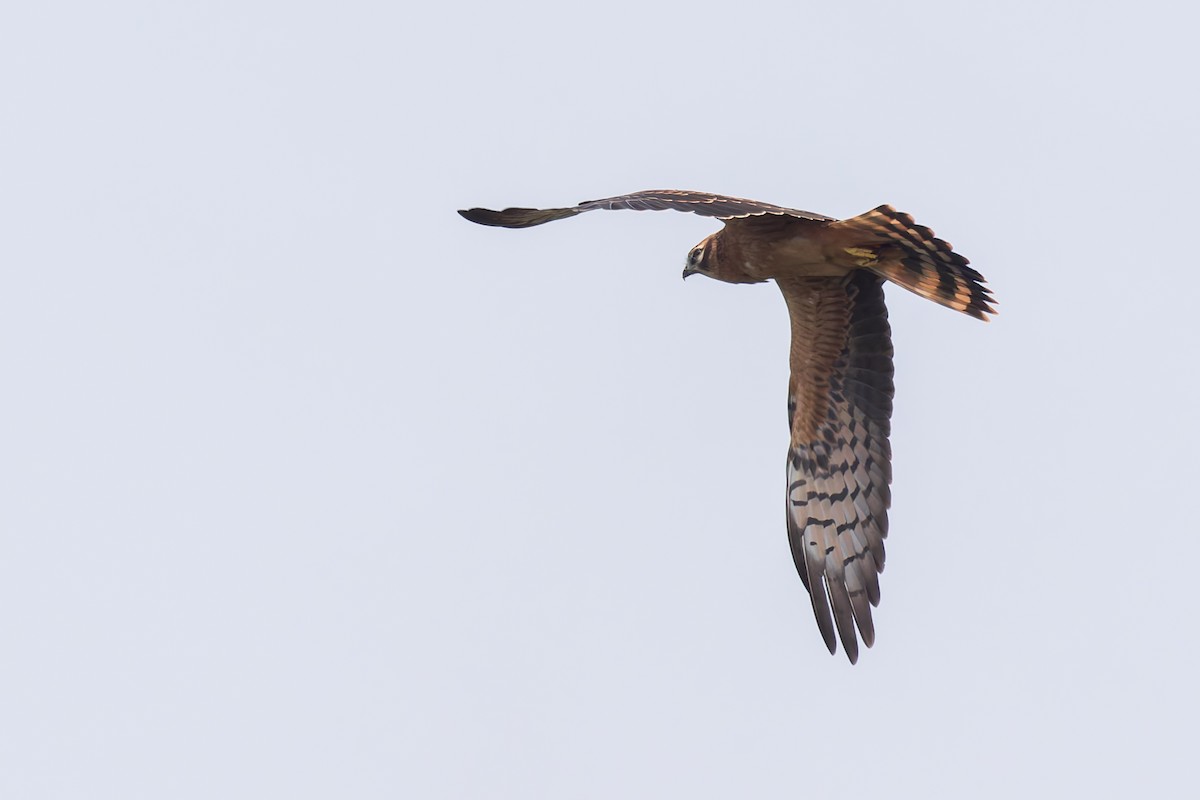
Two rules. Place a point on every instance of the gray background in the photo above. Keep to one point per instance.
(309, 488)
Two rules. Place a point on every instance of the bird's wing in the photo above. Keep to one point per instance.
(703, 203)
(839, 462)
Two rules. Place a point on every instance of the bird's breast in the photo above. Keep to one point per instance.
(797, 256)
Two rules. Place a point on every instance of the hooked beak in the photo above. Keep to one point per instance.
(689, 271)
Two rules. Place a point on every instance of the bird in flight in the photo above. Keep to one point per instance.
(831, 273)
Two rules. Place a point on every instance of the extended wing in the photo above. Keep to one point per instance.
(703, 203)
(839, 462)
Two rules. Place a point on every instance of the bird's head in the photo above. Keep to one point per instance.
(720, 259)
(702, 259)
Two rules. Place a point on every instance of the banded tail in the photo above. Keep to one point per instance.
(890, 244)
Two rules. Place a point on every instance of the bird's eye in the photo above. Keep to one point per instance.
(694, 256)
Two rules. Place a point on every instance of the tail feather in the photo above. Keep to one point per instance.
(890, 244)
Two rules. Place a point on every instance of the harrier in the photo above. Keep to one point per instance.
(831, 273)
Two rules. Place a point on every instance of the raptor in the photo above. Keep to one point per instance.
(831, 273)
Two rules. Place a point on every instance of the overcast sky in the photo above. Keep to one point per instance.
(310, 489)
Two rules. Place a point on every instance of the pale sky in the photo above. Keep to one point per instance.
(309, 488)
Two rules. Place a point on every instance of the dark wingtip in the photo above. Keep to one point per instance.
(481, 216)
(517, 217)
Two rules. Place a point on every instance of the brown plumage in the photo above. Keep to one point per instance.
(831, 273)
